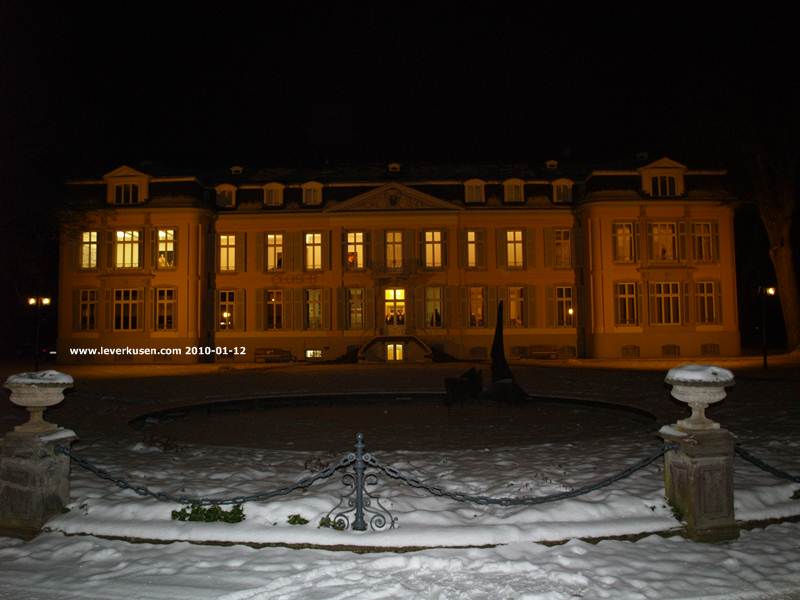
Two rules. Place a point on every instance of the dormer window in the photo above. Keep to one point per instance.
(237, 170)
(562, 191)
(514, 190)
(226, 195)
(662, 186)
(126, 186)
(273, 194)
(312, 193)
(474, 191)
(394, 167)
(551, 165)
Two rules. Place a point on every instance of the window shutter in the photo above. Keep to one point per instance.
(682, 240)
(548, 247)
(109, 250)
(239, 306)
(215, 302)
(326, 308)
(419, 308)
(108, 309)
(685, 304)
(297, 255)
(529, 304)
(491, 301)
(614, 237)
(241, 252)
(444, 248)
(150, 310)
(715, 241)
(462, 249)
(649, 241)
(176, 247)
(465, 306)
(449, 306)
(550, 297)
(326, 256)
(140, 248)
(638, 320)
(216, 257)
(480, 256)
(369, 308)
(617, 314)
(343, 241)
(260, 292)
(76, 310)
(153, 233)
(504, 294)
(408, 250)
(530, 245)
(367, 250)
(260, 243)
(379, 250)
(651, 302)
(717, 302)
(636, 241)
(421, 252)
(500, 242)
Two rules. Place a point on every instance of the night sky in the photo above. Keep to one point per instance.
(87, 87)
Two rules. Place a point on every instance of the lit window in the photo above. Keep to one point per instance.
(126, 249)
(433, 249)
(226, 310)
(564, 310)
(663, 241)
(355, 308)
(312, 353)
(474, 191)
(313, 251)
(312, 194)
(476, 257)
(394, 249)
(476, 307)
(165, 309)
(665, 302)
(127, 308)
(227, 253)
(705, 242)
(394, 352)
(514, 249)
(706, 295)
(88, 256)
(662, 186)
(514, 190)
(623, 240)
(314, 309)
(626, 304)
(433, 307)
(394, 306)
(126, 193)
(165, 249)
(87, 310)
(273, 309)
(355, 251)
(274, 251)
(516, 306)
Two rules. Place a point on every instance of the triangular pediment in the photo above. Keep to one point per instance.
(124, 171)
(663, 163)
(392, 196)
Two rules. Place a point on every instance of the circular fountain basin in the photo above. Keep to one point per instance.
(392, 422)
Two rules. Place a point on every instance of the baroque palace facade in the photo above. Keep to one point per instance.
(398, 263)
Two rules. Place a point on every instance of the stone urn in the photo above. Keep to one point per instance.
(699, 386)
(36, 391)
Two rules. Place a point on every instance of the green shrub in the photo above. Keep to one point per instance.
(333, 524)
(297, 520)
(209, 514)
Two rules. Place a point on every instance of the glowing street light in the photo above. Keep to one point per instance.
(38, 302)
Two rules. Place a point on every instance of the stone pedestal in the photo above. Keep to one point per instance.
(34, 480)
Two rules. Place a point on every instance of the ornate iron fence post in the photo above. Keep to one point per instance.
(358, 523)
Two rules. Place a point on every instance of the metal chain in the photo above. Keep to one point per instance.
(764, 466)
(473, 499)
(164, 497)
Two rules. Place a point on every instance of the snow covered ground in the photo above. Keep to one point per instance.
(762, 563)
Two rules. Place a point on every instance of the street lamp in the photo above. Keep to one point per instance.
(764, 292)
(38, 302)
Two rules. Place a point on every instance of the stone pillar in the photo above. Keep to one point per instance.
(34, 478)
(698, 475)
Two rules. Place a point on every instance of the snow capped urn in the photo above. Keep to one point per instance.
(36, 391)
(699, 386)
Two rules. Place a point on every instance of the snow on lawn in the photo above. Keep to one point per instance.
(633, 505)
(761, 564)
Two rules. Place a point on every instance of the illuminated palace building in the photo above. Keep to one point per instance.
(401, 263)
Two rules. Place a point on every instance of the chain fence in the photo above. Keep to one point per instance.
(359, 503)
(764, 466)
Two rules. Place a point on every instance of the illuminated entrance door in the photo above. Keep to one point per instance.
(394, 310)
